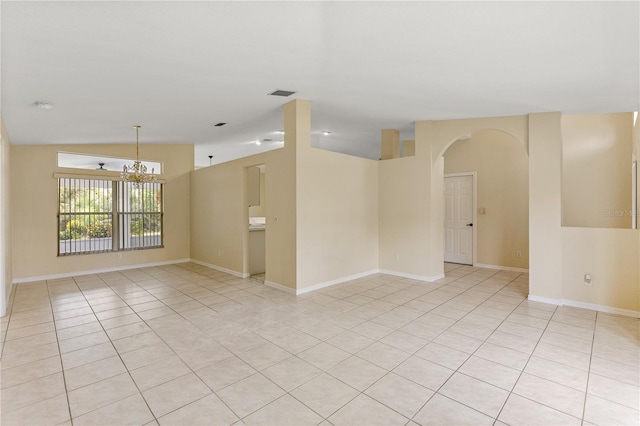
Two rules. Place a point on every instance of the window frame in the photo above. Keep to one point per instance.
(119, 189)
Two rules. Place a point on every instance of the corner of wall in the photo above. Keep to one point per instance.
(6, 271)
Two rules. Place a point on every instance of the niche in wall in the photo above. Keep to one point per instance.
(597, 156)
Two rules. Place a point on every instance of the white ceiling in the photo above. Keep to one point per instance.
(177, 68)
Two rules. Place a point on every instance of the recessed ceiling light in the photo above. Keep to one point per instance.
(219, 124)
(326, 132)
(43, 105)
(282, 93)
(258, 143)
(280, 132)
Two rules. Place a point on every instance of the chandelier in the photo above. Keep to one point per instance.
(137, 172)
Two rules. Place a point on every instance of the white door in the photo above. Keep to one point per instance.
(458, 219)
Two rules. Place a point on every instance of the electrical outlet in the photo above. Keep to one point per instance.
(119, 256)
(518, 253)
(587, 279)
(219, 252)
(397, 257)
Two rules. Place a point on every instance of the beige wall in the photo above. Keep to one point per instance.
(597, 154)
(545, 206)
(636, 150)
(6, 275)
(217, 213)
(411, 195)
(611, 257)
(34, 208)
(502, 167)
(337, 230)
(220, 214)
(403, 217)
(561, 256)
(323, 202)
(318, 206)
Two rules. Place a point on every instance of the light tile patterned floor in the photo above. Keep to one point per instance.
(186, 345)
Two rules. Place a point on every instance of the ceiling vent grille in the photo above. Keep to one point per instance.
(282, 93)
(219, 124)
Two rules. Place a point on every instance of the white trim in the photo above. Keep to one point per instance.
(97, 271)
(336, 281)
(504, 268)
(411, 276)
(280, 287)
(474, 206)
(583, 305)
(110, 176)
(5, 306)
(602, 308)
(547, 300)
(221, 269)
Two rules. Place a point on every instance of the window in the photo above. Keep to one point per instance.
(96, 216)
(140, 215)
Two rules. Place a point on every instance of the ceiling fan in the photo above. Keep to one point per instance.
(101, 166)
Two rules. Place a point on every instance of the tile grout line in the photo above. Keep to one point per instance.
(232, 315)
(312, 378)
(472, 354)
(62, 369)
(118, 294)
(413, 354)
(172, 350)
(586, 389)
(117, 352)
(524, 367)
(175, 353)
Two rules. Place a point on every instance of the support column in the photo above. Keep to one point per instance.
(545, 207)
(390, 144)
(426, 150)
(281, 196)
(408, 148)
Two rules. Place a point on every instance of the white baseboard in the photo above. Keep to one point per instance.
(221, 269)
(336, 281)
(7, 300)
(280, 287)
(504, 268)
(97, 271)
(603, 308)
(411, 276)
(583, 305)
(546, 300)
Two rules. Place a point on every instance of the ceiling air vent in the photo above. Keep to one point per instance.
(282, 93)
(219, 124)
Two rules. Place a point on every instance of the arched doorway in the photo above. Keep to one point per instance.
(486, 175)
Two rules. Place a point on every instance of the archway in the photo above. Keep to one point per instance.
(496, 235)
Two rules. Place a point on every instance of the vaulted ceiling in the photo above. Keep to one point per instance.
(178, 68)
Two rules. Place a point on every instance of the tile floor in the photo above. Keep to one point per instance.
(186, 345)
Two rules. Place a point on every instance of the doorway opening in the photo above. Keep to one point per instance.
(257, 222)
(494, 201)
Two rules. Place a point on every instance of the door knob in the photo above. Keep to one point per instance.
(469, 224)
